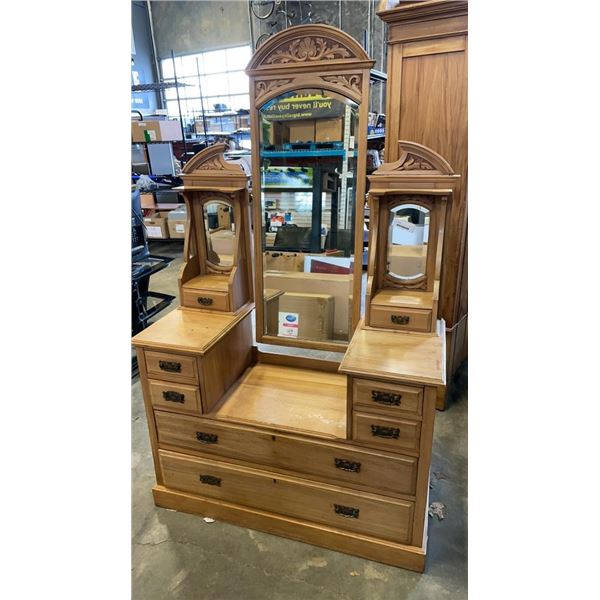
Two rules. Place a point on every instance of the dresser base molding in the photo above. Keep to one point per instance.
(383, 551)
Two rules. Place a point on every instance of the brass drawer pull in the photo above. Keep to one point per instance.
(205, 301)
(347, 465)
(207, 438)
(171, 367)
(385, 432)
(210, 480)
(346, 511)
(386, 398)
(400, 319)
(174, 397)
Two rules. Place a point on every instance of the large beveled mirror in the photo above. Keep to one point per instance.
(309, 88)
(308, 193)
(220, 233)
(408, 233)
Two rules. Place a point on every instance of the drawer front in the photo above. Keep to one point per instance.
(177, 396)
(206, 299)
(339, 463)
(378, 516)
(409, 319)
(396, 435)
(399, 399)
(171, 367)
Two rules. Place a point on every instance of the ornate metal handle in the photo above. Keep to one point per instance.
(174, 397)
(172, 367)
(386, 398)
(385, 432)
(210, 480)
(346, 511)
(204, 300)
(207, 438)
(400, 319)
(347, 465)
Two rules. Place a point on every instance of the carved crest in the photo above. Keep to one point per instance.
(264, 86)
(213, 164)
(415, 163)
(308, 49)
(352, 82)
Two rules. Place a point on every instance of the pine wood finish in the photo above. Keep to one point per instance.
(332, 453)
(203, 284)
(427, 103)
(302, 57)
(420, 177)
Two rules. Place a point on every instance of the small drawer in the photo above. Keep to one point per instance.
(206, 299)
(408, 319)
(361, 512)
(176, 396)
(171, 367)
(395, 435)
(399, 399)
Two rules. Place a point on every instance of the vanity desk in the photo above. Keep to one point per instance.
(335, 454)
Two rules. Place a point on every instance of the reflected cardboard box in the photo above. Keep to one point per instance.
(306, 316)
(338, 286)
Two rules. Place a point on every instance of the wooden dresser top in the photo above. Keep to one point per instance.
(188, 330)
(405, 356)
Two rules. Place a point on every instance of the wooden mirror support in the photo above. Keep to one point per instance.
(310, 57)
(205, 282)
(420, 179)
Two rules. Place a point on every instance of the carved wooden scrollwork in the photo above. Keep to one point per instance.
(352, 82)
(308, 49)
(264, 86)
(214, 164)
(415, 163)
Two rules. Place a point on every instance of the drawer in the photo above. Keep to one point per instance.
(177, 396)
(171, 367)
(399, 399)
(409, 319)
(342, 464)
(396, 435)
(369, 514)
(206, 299)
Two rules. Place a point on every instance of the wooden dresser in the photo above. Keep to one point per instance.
(329, 453)
(334, 455)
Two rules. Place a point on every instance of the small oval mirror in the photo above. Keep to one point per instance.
(407, 241)
(220, 232)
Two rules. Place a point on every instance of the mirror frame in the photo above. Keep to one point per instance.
(305, 57)
(420, 281)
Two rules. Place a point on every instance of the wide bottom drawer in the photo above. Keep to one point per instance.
(365, 513)
(337, 463)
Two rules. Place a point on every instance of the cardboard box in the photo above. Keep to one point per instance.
(222, 242)
(338, 286)
(158, 131)
(306, 316)
(329, 130)
(176, 228)
(156, 226)
(302, 131)
(283, 261)
(147, 200)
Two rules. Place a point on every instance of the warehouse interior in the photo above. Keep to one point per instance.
(192, 102)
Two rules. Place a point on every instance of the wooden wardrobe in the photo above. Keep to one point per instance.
(427, 104)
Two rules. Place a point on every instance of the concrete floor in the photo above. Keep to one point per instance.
(175, 555)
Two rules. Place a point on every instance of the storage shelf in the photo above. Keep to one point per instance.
(300, 153)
